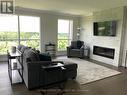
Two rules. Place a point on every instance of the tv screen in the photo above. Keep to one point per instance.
(106, 28)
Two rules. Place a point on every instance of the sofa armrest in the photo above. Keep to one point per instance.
(44, 63)
(47, 65)
(51, 67)
(39, 71)
(68, 50)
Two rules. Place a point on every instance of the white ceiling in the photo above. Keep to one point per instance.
(78, 7)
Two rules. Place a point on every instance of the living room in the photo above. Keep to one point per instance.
(48, 31)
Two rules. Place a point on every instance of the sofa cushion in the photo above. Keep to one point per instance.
(23, 49)
(73, 45)
(76, 44)
(32, 55)
(19, 47)
(79, 44)
(44, 57)
(25, 54)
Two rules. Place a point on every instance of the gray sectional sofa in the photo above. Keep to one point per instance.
(39, 69)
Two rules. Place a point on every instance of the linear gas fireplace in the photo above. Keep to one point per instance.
(104, 51)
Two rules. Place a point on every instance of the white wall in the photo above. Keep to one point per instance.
(124, 37)
(104, 41)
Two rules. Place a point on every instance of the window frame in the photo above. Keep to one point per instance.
(70, 33)
(18, 39)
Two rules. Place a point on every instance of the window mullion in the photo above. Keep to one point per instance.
(18, 29)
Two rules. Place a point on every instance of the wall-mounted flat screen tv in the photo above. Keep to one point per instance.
(106, 28)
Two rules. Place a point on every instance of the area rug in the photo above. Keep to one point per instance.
(88, 71)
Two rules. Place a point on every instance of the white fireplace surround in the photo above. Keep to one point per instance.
(104, 41)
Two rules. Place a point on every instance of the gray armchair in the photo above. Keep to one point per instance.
(76, 49)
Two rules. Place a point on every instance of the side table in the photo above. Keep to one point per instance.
(14, 64)
(86, 52)
(50, 49)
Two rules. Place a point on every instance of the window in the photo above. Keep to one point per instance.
(8, 32)
(65, 28)
(30, 31)
(26, 33)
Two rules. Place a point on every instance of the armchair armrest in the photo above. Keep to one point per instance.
(69, 47)
(82, 48)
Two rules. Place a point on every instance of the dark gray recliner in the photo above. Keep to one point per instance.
(76, 49)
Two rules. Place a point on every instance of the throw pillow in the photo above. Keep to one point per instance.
(32, 55)
(44, 57)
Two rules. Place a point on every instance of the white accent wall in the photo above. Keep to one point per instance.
(104, 41)
(124, 38)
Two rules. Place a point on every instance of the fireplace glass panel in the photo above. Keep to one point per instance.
(103, 51)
